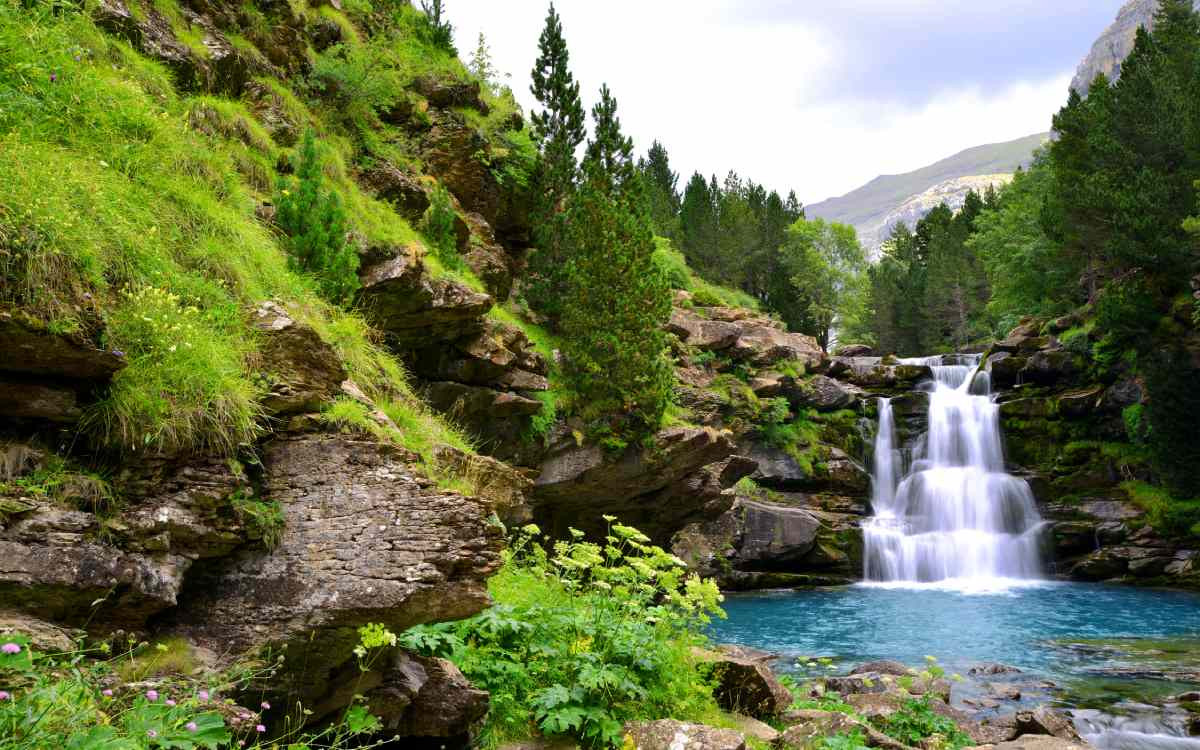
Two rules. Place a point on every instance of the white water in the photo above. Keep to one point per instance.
(952, 517)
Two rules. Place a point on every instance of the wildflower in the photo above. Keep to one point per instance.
(202, 695)
(170, 702)
(151, 695)
(260, 728)
(191, 726)
(266, 706)
(151, 733)
(107, 692)
(4, 695)
(11, 648)
(53, 77)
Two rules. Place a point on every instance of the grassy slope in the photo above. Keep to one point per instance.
(127, 211)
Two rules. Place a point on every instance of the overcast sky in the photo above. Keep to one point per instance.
(815, 96)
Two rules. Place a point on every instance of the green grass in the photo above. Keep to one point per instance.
(124, 203)
(1168, 515)
(704, 294)
(173, 656)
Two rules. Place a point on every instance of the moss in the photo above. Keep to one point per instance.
(171, 657)
(1170, 516)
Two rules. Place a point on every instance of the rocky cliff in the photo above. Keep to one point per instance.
(1115, 44)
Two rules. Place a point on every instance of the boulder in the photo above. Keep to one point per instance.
(579, 483)
(826, 394)
(401, 299)
(447, 93)
(700, 332)
(1044, 720)
(808, 727)
(1005, 369)
(364, 539)
(499, 356)
(994, 730)
(669, 734)
(855, 350)
(751, 727)
(303, 371)
(43, 636)
(745, 684)
(774, 536)
(832, 470)
(764, 345)
(1122, 394)
(1101, 565)
(1048, 366)
(444, 706)
(407, 193)
(451, 152)
(886, 666)
(992, 668)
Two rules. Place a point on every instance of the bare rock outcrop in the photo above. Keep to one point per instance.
(669, 734)
(303, 371)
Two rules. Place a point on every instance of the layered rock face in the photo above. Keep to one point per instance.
(1108, 52)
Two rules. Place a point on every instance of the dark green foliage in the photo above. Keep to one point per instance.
(820, 278)
(315, 222)
(438, 227)
(662, 192)
(617, 298)
(440, 32)
(559, 130)
(1170, 413)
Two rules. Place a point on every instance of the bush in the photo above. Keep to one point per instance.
(315, 223)
(916, 722)
(584, 637)
(87, 700)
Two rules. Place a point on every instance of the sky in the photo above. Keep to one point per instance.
(813, 96)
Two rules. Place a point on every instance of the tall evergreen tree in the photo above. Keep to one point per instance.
(698, 224)
(662, 193)
(617, 300)
(559, 129)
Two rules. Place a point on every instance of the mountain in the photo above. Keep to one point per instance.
(1111, 49)
(876, 207)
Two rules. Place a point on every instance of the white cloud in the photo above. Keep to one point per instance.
(752, 96)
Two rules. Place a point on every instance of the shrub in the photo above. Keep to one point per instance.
(583, 637)
(916, 722)
(315, 223)
(438, 227)
(88, 700)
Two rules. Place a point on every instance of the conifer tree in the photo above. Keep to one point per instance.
(559, 129)
(662, 194)
(617, 298)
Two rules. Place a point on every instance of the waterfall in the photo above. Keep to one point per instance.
(952, 515)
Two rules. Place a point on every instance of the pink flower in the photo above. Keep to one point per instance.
(151, 733)
(4, 695)
(170, 702)
(151, 695)
(11, 648)
(107, 692)
(202, 695)
(190, 726)
(266, 706)
(260, 728)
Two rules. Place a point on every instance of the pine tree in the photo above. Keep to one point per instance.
(481, 65)
(441, 33)
(315, 222)
(698, 224)
(617, 298)
(559, 129)
(662, 195)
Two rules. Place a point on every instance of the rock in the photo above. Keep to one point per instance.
(486, 258)
(304, 372)
(1073, 537)
(752, 727)
(1045, 720)
(875, 706)
(1005, 369)
(808, 727)
(855, 350)
(29, 349)
(445, 706)
(1039, 742)
(764, 345)
(1080, 402)
(1003, 691)
(702, 333)
(862, 683)
(269, 108)
(1100, 565)
(826, 394)
(451, 152)
(1047, 367)
(400, 298)
(404, 190)
(774, 536)
(993, 730)
(498, 356)
(870, 372)
(364, 539)
(992, 668)
(1149, 567)
(778, 469)
(42, 635)
(669, 734)
(502, 485)
(471, 404)
(445, 93)
(747, 685)
(1122, 394)
(22, 398)
(578, 483)
(882, 667)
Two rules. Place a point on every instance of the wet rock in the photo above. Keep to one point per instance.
(745, 684)
(1101, 565)
(400, 298)
(365, 539)
(1005, 369)
(992, 668)
(994, 730)
(304, 372)
(832, 471)
(1047, 721)
(886, 666)
(1047, 367)
(669, 734)
(1080, 402)
(1122, 394)
(1073, 537)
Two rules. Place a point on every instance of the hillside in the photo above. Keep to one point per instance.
(868, 208)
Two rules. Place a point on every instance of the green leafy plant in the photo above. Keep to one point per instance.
(584, 636)
(916, 722)
(263, 517)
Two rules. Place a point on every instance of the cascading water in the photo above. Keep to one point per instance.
(955, 517)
